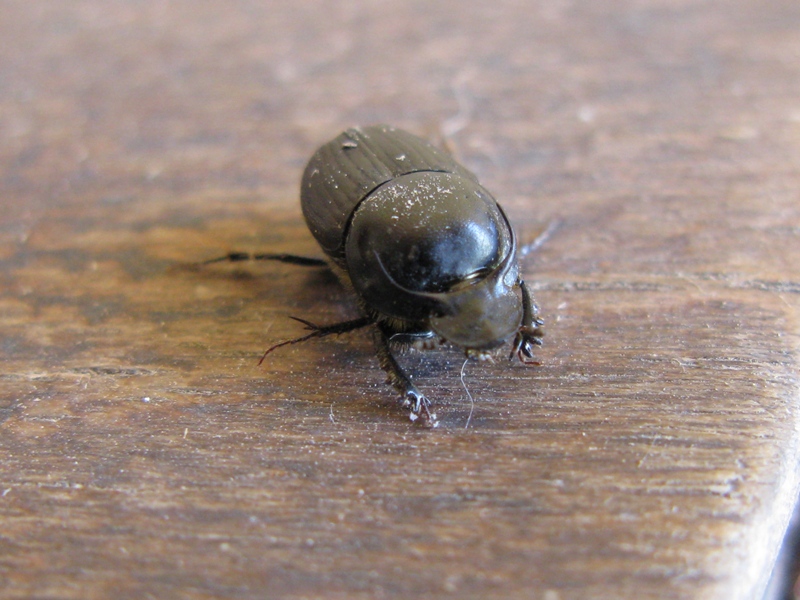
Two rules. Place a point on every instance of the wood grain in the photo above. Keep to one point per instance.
(654, 452)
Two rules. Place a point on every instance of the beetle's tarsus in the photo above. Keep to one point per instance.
(292, 259)
(525, 340)
(318, 331)
(420, 409)
(530, 332)
(412, 398)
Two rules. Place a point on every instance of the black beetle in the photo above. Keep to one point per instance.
(428, 251)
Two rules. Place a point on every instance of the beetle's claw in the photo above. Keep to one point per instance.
(420, 409)
(525, 340)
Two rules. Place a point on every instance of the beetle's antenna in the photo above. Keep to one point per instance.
(471, 399)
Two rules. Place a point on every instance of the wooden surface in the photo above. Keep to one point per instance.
(653, 454)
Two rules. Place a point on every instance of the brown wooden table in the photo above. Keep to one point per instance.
(144, 454)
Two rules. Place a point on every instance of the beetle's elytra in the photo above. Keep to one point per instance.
(428, 251)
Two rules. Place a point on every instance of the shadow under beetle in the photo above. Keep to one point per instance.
(430, 254)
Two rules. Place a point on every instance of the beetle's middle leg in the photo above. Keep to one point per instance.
(292, 259)
(412, 397)
(318, 331)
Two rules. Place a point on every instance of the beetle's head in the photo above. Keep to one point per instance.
(482, 315)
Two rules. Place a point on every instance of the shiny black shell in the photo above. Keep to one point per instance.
(414, 232)
(351, 166)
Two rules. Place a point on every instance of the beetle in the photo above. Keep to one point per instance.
(429, 253)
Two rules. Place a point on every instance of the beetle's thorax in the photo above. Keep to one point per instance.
(436, 248)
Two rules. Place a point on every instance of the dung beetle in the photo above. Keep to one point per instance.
(430, 254)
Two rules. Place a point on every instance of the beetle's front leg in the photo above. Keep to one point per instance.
(530, 332)
(412, 397)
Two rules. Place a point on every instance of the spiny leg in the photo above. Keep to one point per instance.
(420, 406)
(318, 331)
(530, 331)
(292, 259)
